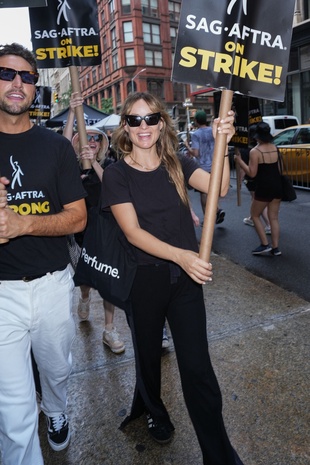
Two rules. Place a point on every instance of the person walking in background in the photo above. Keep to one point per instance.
(148, 197)
(264, 167)
(202, 149)
(95, 152)
(250, 183)
(36, 292)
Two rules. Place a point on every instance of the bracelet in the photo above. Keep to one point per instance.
(227, 155)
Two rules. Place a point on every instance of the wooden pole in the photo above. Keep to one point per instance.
(238, 180)
(79, 113)
(3, 240)
(215, 181)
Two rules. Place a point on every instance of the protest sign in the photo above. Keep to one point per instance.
(240, 45)
(65, 33)
(21, 3)
(247, 112)
(237, 45)
(41, 106)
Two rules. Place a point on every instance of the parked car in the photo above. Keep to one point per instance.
(294, 145)
(279, 122)
(182, 136)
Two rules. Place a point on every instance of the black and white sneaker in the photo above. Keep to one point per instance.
(262, 249)
(276, 251)
(220, 215)
(160, 432)
(58, 432)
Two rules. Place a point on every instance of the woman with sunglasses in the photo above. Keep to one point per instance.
(95, 152)
(149, 200)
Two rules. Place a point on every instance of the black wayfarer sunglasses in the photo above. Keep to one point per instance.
(135, 121)
(27, 77)
(96, 137)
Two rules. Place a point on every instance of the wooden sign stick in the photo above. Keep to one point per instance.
(215, 181)
(3, 240)
(79, 113)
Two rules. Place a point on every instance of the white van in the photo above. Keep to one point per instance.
(279, 122)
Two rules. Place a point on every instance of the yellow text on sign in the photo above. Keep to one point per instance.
(228, 64)
(83, 51)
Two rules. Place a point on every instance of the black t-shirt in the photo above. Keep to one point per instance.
(158, 206)
(44, 175)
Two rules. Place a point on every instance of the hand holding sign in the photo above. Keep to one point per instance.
(247, 51)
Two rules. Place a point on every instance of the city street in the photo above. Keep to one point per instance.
(235, 240)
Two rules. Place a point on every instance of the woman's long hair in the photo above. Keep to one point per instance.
(166, 145)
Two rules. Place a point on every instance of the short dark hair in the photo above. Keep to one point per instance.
(201, 117)
(20, 51)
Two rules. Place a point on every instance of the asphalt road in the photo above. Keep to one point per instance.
(235, 241)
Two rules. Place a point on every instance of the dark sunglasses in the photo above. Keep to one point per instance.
(135, 121)
(96, 137)
(27, 77)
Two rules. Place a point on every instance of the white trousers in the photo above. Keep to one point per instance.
(37, 315)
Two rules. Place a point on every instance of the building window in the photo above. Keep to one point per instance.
(156, 87)
(126, 9)
(118, 93)
(107, 67)
(306, 9)
(102, 17)
(305, 57)
(173, 35)
(113, 38)
(150, 8)
(111, 9)
(94, 75)
(115, 61)
(151, 33)
(130, 57)
(104, 43)
(179, 91)
(101, 98)
(174, 11)
(128, 32)
(153, 58)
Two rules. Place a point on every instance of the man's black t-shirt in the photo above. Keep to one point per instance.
(44, 175)
(158, 206)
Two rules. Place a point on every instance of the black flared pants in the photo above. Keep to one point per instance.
(157, 295)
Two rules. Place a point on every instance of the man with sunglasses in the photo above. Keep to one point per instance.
(45, 202)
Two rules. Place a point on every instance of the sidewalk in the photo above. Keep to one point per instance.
(259, 344)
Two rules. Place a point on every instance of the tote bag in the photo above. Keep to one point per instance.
(288, 191)
(107, 261)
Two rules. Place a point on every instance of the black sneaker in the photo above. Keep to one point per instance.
(58, 433)
(262, 249)
(276, 251)
(160, 432)
(220, 215)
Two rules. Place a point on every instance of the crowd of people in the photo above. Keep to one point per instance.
(49, 194)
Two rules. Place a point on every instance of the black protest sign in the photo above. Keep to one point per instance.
(247, 113)
(66, 33)
(41, 106)
(240, 45)
(21, 3)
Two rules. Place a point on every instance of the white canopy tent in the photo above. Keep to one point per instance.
(109, 122)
